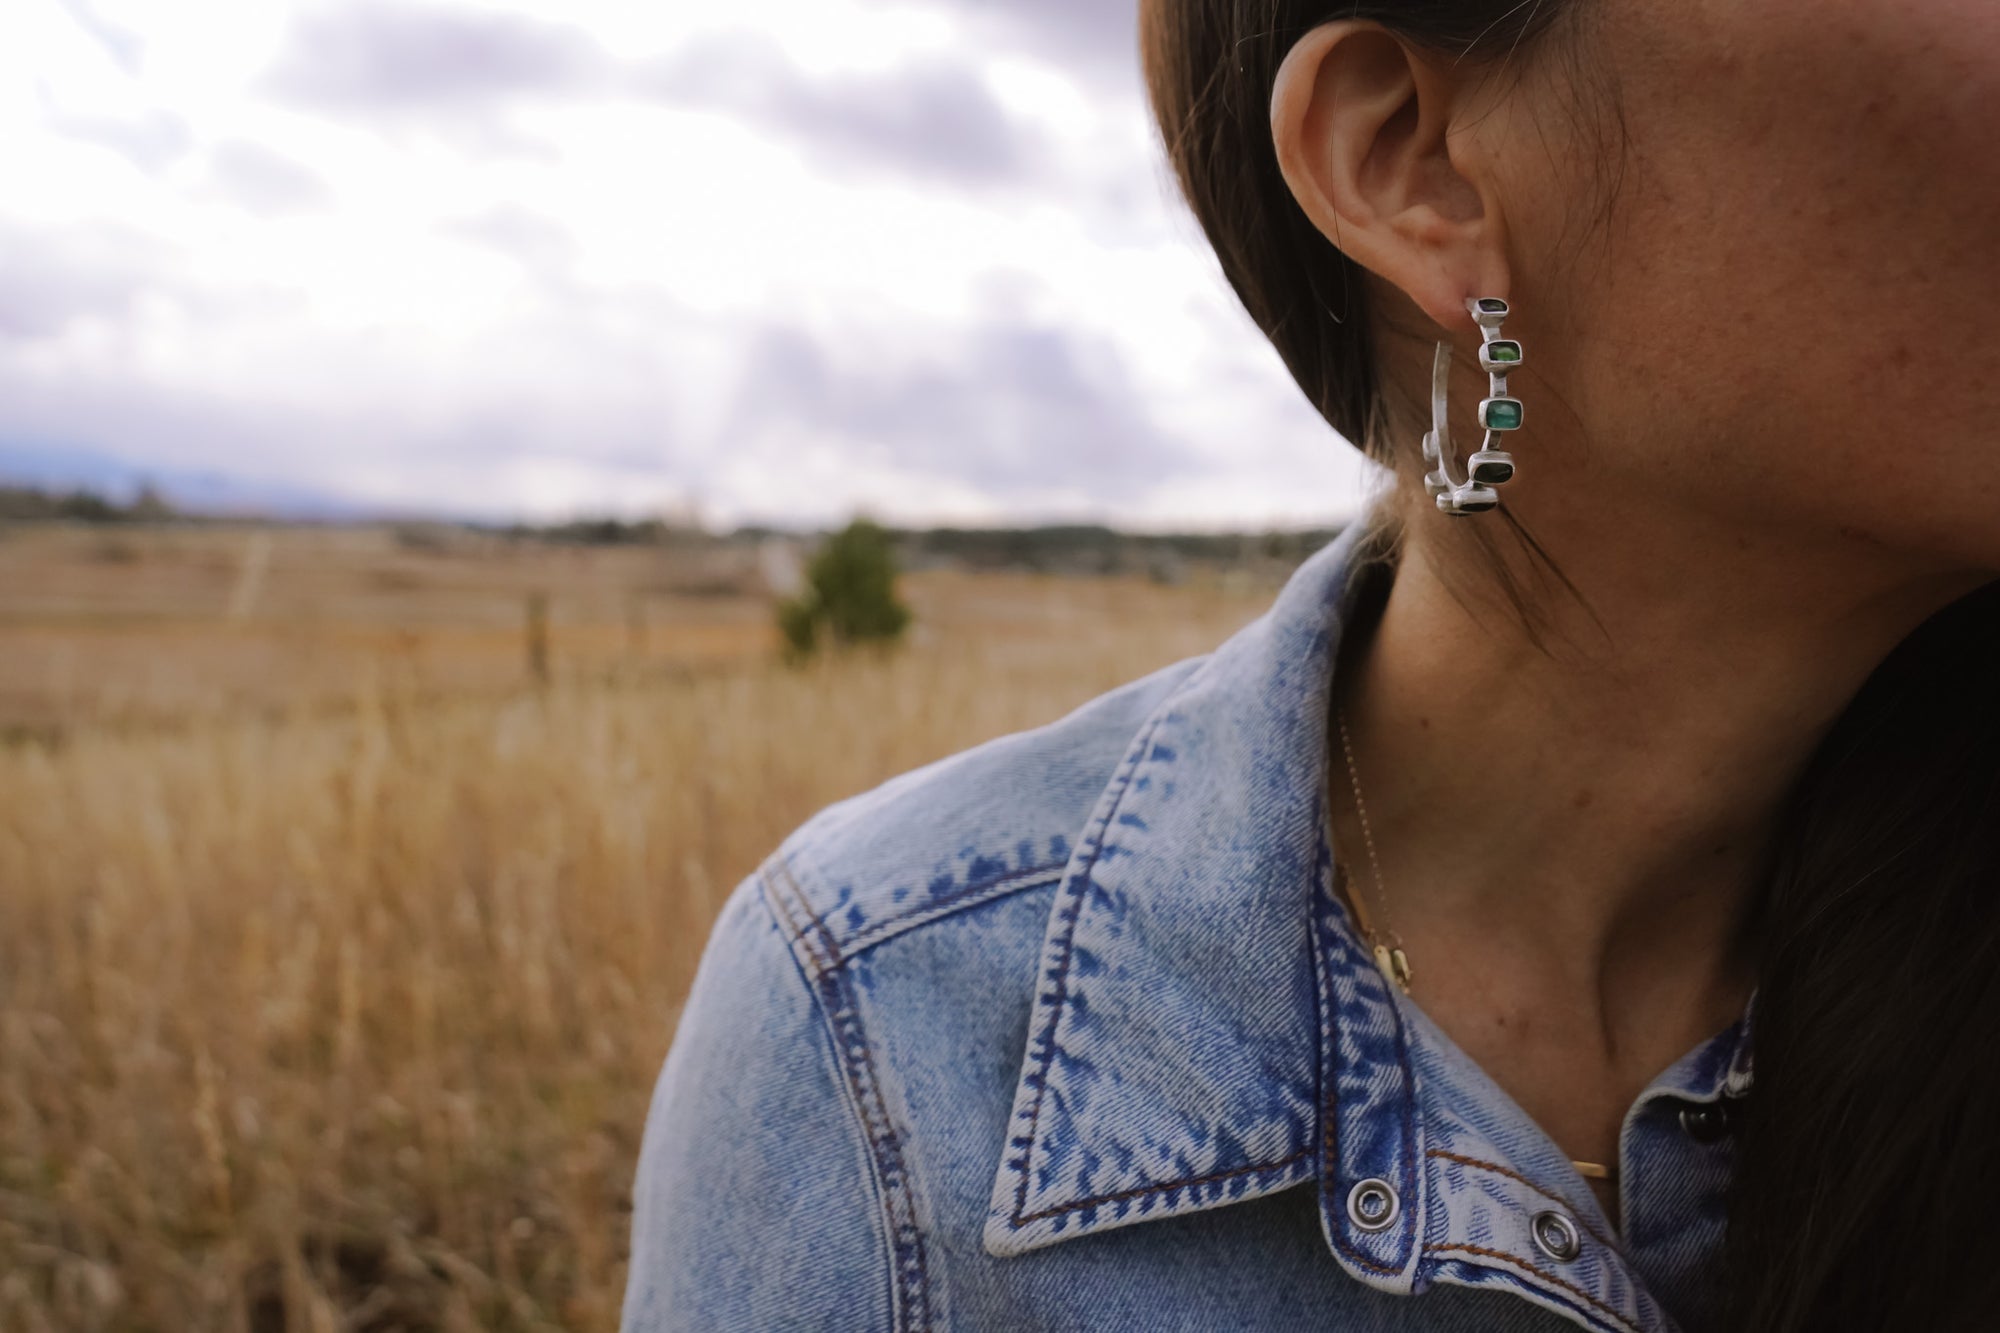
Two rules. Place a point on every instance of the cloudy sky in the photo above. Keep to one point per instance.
(781, 262)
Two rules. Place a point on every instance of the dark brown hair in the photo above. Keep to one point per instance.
(1867, 1181)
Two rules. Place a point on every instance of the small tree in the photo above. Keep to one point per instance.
(799, 625)
(850, 593)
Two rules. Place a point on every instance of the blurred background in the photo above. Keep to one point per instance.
(473, 477)
(522, 260)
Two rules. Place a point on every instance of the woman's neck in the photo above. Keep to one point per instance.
(1596, 819)
(1571, 843)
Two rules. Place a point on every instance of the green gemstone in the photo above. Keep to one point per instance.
(1503, 349)
(1492, 305)
(1500, 414)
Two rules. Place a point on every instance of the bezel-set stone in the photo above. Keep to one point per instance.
(1492, 466)
(1471, 498)
(1487, 467)
(1500, 413)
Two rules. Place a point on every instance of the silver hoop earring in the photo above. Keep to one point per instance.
(1487, 467)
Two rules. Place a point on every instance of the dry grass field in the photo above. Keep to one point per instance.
(337, 959)
(171, 624)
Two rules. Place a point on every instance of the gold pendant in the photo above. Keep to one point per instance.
(1394, 966)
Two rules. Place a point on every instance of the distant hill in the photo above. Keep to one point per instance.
(1073, 548)
(67, 471)
(33, 504)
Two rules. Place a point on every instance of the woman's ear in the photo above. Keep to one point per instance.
(1360, 119)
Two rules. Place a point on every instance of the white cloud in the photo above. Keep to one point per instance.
(509, 258)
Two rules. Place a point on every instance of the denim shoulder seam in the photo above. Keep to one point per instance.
(838, 948)
(914, 1300)
(852, 913)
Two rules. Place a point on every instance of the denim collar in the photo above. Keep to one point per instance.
(1208, 1029)
(1174, 1050)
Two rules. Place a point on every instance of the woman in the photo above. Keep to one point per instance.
(1104, 1024)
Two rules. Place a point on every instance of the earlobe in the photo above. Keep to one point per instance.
(1358, 122)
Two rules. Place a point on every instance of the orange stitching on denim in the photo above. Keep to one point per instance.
(1329, 1109)
(1162, 1189)
(1519, 1262)
(1500, 1170)
(1373, 1266)
(1331, 1139)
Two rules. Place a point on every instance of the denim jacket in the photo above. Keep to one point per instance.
(1070, 1031)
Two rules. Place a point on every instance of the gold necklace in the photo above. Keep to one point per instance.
(1389, 956)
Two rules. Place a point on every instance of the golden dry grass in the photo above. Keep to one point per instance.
(347, 1018)
(114, 624)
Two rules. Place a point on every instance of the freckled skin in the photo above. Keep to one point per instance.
(1760, 333)
(1809, 223)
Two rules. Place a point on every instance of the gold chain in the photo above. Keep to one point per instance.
(1389, 954)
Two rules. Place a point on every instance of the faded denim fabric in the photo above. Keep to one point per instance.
(1069, 1031)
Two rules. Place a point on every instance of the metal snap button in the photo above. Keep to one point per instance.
(1372, 1205)
(1705, 1122)
(1555, 1236)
